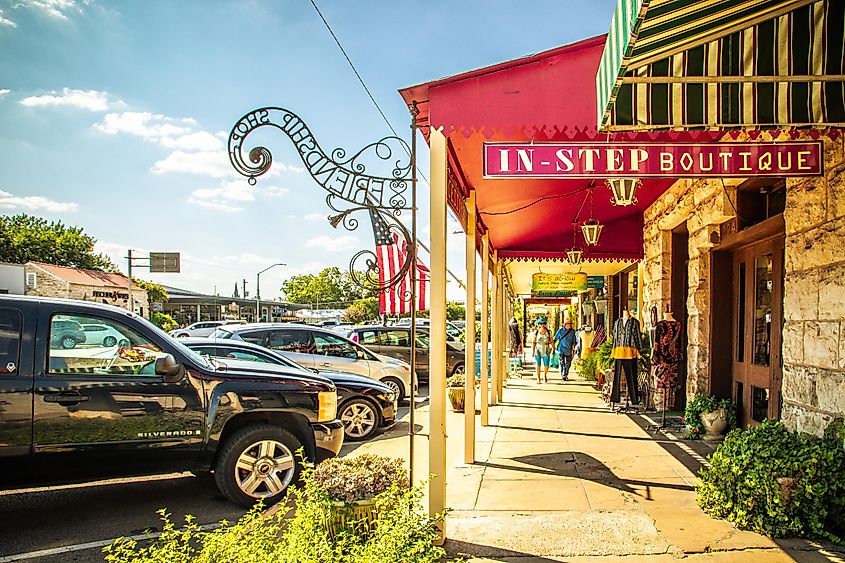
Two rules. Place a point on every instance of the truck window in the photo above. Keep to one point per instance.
(329, 345)
(116, 350)
(10, 341)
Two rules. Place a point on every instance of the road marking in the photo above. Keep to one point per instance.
(688, 450)
(87, 545)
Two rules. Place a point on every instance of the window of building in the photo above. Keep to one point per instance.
(760, 199)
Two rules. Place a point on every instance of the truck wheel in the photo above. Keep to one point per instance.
(109, 341)
(397, 386)
(360, 419)
(257, 462)
(459, 369)
(68, 342)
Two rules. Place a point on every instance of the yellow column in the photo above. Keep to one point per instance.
(469, 357)
(495, 364)
(437, 352)
(500, 271)
(485, 326)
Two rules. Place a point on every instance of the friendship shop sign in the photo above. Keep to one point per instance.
(639, 160)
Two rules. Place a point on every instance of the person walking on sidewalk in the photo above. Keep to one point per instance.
(541, 342)
(565, 344)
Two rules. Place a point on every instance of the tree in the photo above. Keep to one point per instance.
(330, 287)
(455, 311)
(163, 321)
(155, 292)
(25, 238)
(362, 310)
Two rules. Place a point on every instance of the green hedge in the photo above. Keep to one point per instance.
(777, 482)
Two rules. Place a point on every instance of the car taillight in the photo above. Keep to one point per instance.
(327, 410)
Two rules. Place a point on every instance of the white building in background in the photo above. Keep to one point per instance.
(12, 279)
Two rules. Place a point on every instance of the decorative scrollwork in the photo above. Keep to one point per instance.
(347, 182)
(345, 178)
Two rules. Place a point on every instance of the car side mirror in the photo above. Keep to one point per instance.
(168, 367)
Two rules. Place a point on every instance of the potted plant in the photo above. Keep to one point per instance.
(352, 485)
(708, 417)
(455, 388)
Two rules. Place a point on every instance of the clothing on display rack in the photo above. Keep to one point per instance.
(627, 346)
(586, 336)
(666, 354)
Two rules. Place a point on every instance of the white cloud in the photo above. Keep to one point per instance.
(35, 203)
(274, 191)
(91, 100)
(4, 91)
(157, 128)
(224, 196)
(5, 21)
(333, 244)
(54, 8)
(315, 216)
(215, 163)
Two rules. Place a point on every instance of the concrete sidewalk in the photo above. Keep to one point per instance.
(559, 477)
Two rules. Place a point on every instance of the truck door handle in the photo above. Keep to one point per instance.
(65, 398)
(325, 365)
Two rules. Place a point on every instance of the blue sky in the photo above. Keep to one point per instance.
(114, 115)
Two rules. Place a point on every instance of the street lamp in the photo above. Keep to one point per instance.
(258, 290)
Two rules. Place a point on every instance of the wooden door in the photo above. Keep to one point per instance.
(757, 330)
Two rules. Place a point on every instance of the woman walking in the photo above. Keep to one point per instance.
(542, 344)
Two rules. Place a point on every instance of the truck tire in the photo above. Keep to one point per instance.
(257, 462)
(68, 342)
(360, 418)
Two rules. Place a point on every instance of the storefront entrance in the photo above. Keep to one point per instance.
(757, 322)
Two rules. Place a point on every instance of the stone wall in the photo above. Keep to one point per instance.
(48, 285)
(814, 287)
(814, 297)
(702, 205)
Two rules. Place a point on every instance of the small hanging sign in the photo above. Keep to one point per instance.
(558, 282)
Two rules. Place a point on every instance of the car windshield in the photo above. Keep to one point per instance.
(222, 333)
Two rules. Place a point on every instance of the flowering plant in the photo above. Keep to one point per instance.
(347, 479)
(457, 380)
(701, 404)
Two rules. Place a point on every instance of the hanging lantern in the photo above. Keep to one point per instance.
(624, 190)
(575, 255)
(592, 231)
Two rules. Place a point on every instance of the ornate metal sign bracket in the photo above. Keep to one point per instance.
(349, 185)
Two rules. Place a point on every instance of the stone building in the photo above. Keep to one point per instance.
(49, 280)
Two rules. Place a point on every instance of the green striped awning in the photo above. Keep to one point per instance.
(707, 64)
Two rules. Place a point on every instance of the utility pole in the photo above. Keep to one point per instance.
(258, 292)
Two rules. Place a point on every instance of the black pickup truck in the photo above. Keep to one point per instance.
(148, 404)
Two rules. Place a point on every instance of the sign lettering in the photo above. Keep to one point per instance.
(637, 160)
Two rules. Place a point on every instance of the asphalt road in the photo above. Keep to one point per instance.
(75, 516)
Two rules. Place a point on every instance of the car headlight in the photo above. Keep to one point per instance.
(327, 410)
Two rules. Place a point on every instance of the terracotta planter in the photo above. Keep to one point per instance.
(715, 423)
(457, 398)
(342, 514)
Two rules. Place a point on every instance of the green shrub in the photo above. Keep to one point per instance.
(776, 482)
(402, 532)
(587, 366)
(164, 321)
(703, 403)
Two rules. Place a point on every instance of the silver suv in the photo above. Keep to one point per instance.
(202, 328)
(321, 348)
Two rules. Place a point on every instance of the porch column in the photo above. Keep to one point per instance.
(469, 339)
(500, 272)
(485, 326)
(495, 364)
(199, 312)
(437, 329)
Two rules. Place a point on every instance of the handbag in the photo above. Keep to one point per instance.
(554, 360)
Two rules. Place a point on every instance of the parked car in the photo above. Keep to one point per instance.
(364, 404)
(395, 341)
(153, 406)
(66, 333)
(453, 331)
(320, 348)
(203, 328)
(103, 335)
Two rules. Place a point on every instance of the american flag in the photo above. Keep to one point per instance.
(392, 252)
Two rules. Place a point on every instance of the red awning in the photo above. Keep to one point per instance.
(549, 96)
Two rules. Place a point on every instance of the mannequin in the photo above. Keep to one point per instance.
(627, 348)
(666, 356)
(586, 336)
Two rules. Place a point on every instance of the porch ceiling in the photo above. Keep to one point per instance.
(547, 97)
